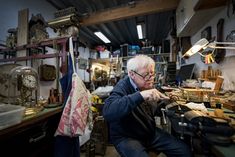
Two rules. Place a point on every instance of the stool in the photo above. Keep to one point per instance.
(153, 154)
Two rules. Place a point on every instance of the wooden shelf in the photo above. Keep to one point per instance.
(47, 42)
(191, 16)
(209, 4)
(160, 54)
(30, 120)
(39, 56)
(10, 54)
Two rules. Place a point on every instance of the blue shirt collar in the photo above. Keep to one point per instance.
(133, 84)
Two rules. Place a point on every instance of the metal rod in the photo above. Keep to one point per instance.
(222, 47)
(224, 43)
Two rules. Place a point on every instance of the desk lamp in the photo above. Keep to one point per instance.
(203, 44)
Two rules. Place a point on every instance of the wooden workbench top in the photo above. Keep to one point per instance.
(30, 120)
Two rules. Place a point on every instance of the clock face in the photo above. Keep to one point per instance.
(29, 81)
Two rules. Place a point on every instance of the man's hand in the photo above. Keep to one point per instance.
(153, 95)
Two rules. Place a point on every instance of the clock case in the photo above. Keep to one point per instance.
(23, 86)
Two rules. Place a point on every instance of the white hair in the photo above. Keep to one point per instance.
(139, 61)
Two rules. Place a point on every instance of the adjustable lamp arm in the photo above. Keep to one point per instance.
(204, 43)
(213, 45)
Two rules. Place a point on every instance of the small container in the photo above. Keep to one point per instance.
(218, 105)
(10, 115)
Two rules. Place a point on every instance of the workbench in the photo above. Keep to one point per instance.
(34, 136)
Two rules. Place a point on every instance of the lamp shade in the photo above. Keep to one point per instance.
(198, 46)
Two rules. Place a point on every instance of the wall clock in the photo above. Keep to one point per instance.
(47, 72)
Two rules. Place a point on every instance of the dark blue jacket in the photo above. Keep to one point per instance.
(125, 112)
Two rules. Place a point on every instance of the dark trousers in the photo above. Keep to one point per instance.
(66, 146)
(161, 142)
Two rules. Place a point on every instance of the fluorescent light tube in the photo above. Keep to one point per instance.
(139, 31)
(102, 37)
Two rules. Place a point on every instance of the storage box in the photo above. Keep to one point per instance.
(10, 115)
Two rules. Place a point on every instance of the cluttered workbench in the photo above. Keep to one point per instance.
(203, 115)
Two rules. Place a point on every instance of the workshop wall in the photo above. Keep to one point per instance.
(9, 19)
(9, 13)
(227, 66)
(84, 53)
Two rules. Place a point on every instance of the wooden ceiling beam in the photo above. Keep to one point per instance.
(139, 8)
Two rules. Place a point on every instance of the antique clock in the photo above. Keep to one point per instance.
(29, 81)
(24, 83)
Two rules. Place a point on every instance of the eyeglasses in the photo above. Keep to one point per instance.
(146, 77)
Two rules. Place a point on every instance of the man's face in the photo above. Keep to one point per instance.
(144, 77)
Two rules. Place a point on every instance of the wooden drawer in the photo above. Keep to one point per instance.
(35, 140)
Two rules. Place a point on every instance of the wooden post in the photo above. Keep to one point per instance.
(22, 33)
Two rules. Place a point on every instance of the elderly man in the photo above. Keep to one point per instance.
(130, 113)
